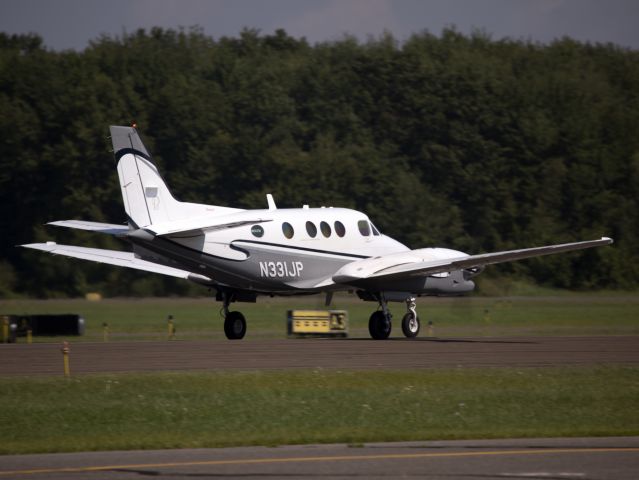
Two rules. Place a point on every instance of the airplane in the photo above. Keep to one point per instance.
(242, 254)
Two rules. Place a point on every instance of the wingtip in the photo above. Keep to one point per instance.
(608, 240)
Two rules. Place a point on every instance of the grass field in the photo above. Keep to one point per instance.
(566, 314)
(105, 412)
(130, 411)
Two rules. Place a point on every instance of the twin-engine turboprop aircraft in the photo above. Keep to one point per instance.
(246, 253)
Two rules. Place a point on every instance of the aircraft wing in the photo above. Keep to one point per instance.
(108, 228)
(114, 257)
(415, 263)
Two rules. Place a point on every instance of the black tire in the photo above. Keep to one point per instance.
(379, 326)
(235, 326)
(410, 328)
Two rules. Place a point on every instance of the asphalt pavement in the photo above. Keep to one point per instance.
(611, 458)
(363, 353)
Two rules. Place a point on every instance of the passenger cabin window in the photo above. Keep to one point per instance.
(257, 231)
(339, 229)
(287, 229)
(326, 229)
(364, 228)
(311, 229)
(375, 231)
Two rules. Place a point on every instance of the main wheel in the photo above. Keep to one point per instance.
(235, 326)
(410, 325)
(379, 326)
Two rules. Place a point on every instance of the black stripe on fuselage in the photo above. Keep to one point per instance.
(247, 252)
(303, 249)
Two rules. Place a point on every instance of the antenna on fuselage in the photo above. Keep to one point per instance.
(271, 202)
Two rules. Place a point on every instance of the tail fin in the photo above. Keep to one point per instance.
(147, 199)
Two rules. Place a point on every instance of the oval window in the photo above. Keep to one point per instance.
(311, 229)
(257, 231)
(364, 228)
(326, 229)
(287, 229)
(339, 229)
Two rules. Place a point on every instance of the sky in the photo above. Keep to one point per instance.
(71, 24)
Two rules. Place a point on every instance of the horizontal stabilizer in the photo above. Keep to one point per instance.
(115, 257)
(415, 263)
(108, 228)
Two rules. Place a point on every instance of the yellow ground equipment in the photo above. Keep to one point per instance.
(325, 323)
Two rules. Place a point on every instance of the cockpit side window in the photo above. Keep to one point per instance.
(364, 228)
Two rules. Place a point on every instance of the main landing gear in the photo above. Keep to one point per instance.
(380, 324)
(234, 322)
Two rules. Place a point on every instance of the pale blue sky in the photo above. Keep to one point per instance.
(72, 23)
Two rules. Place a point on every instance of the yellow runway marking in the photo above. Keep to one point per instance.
(337, 458)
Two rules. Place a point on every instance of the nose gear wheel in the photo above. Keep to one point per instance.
(410, 321)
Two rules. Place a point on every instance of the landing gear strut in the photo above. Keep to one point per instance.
(234, 322)
(380, 325)
(410, 322)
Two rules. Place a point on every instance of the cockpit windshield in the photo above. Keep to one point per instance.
(364, 228)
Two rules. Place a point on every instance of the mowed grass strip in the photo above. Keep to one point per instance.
(146, 319)
(154, 411)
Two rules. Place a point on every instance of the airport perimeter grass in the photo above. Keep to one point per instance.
(187, 410)
(146, 319)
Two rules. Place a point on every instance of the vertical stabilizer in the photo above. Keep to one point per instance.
(146, 197)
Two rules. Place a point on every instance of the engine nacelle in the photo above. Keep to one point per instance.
(472, 272)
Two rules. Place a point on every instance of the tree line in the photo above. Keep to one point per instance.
(444, 140)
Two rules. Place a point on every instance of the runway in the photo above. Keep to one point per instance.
(586, 458)
(86, 358)
(579, 458)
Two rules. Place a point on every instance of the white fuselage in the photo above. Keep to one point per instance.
(289, 249)
(285, 250)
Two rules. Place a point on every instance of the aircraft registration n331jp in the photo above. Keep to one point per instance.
(242, 254)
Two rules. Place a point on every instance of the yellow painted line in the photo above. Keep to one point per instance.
(337, 458)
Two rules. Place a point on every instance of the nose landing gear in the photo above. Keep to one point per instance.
(410, 322)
